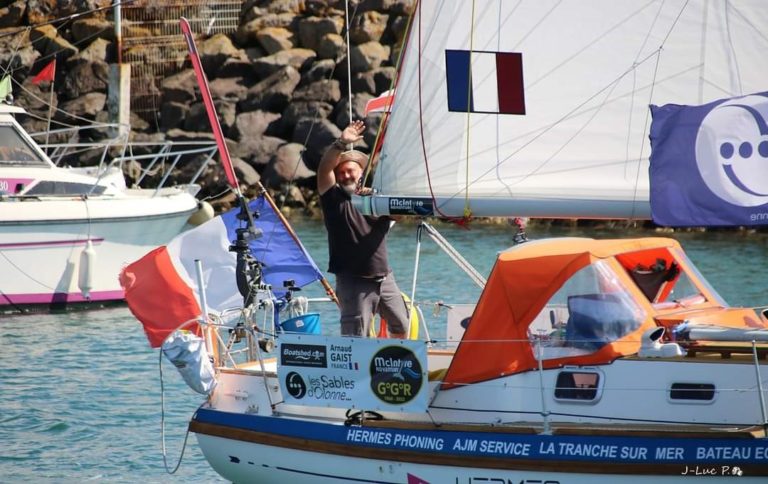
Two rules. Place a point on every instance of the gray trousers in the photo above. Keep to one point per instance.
(360, 298)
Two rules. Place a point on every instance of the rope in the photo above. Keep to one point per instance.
(349, 62)
(457, 258)
(162, 422)
(379, 141)
(650, 98)
(467, 210)
(457, 220)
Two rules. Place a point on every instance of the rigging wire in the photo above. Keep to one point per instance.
(67, 18)
(349, 61)
(457, 220)
(467, 210)
(379, 141)
(650, 98)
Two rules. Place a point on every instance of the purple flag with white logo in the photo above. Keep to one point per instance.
(709, 163)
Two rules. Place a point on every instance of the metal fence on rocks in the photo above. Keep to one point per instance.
(153, 45)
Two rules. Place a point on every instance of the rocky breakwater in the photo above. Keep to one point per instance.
(279, 82)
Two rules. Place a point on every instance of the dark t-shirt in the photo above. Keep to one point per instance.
(356, 242)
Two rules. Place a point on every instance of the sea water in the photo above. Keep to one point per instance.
(80, 392)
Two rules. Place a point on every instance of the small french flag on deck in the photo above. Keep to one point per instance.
(493, 83)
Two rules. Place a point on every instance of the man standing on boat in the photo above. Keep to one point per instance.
(357, 243)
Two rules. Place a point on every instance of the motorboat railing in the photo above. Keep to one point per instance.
(152, 157)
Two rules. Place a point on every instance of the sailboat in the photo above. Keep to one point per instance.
(584, 360)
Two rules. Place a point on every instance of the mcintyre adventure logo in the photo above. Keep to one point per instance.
(396, 375)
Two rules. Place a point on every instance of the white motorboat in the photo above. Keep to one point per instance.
(65, 233)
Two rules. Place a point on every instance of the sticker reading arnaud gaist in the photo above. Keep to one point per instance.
(396, 376)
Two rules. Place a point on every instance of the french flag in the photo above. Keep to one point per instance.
(161, 288)
(485, 82)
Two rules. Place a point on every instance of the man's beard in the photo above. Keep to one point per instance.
(350, 187)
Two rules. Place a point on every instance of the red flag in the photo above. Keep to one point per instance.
(158, 296)
(383, 103)
(47, 74)
(205, 91)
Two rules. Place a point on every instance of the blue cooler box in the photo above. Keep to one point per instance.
(306, 323)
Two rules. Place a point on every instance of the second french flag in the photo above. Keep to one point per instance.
(493, 83)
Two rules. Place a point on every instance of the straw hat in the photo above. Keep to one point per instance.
(353, 155)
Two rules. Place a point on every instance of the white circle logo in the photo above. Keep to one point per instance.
(732, 151)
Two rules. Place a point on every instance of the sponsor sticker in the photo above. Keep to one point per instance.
(410, 206)
(396, 375)
(313, 356)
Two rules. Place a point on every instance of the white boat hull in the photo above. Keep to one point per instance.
(264, 457)
(41, 242)
(494, 432)
(268, 464)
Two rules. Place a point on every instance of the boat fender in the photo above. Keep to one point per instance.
(86, 269)
(414, 318)
(652, 347)
(203, 213)
(188, 354)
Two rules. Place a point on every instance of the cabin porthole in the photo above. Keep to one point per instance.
(577, 386)
(692, 393)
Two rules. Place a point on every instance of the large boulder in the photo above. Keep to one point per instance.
(17, 54)
(368, 26)
(316, 135)
(228, 89)
(197, 118)
(320, 70)
(331, 46)
(296, 58)
(312, 29)
(287, 166)
(326, 90)
(273, 93)
(275, 39)
(304, 109)
(47, 41)
(253, 124)
(87, 71)
(85, 106)
(215, 51)
(88, 28)
(257, 151)
(180, 87)
(256, 21)
(12, 14)
(367, 56)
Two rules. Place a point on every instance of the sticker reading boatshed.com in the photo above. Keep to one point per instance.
(396, 376)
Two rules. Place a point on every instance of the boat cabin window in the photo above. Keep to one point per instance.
(15, 151)
(662, 279)
(577, 385)
(692, 391)
(592, 309)
(65, 188)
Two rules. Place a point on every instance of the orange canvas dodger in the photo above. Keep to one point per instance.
(524, 278)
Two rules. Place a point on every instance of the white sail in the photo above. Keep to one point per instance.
(590, 69)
